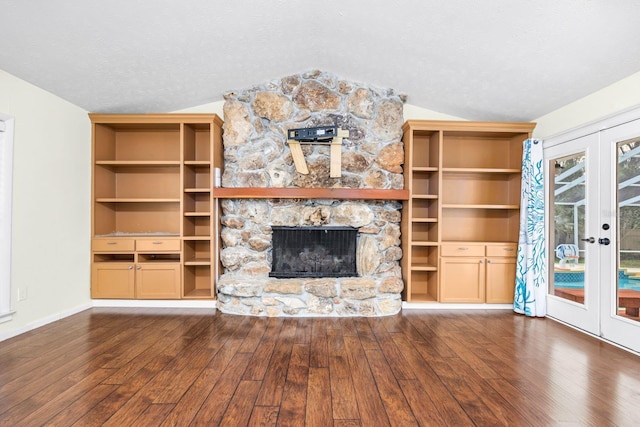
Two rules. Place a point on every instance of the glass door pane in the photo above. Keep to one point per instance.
(568, 224)
(628, 226)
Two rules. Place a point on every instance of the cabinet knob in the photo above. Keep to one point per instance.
(137, 267)
(481, 261)
(131, 267)
(488, 261)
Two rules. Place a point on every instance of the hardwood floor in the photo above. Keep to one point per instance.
(162, 367)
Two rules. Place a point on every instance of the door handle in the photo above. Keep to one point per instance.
(604, 241)
(589, 239)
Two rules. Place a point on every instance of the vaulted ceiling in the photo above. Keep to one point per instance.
(496, 60)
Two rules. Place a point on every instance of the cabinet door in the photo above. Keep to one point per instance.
(501, 274)
(160, 280)
(112, 280)
(462, 279)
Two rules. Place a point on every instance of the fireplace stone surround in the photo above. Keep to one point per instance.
(256, 155)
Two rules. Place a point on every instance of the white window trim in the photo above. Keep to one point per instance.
(6, 169)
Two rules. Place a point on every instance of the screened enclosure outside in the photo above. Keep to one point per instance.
(569, 237)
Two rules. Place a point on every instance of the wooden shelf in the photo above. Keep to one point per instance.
(449, 206)
(423, 243)
(136, 163)
(197, 190)
(198, 261)
(136, 200)
(309, 193)
(481, 170)
(197, 214)
(424, 267)
(424, 220)
(198, 293)
(197, 163)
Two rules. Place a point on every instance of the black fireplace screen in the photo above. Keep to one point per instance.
(314, 252)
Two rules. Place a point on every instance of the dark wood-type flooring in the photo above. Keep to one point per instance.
(157, 367)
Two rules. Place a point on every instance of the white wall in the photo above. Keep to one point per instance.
(51, 205)
(614, 98)
(411, 112)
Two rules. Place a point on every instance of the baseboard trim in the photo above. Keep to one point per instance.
(453, 306)
(45, 321)
(109, 303)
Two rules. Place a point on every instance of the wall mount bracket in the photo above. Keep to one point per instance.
(321, 135)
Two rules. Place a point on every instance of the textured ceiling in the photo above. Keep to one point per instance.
(496, 60)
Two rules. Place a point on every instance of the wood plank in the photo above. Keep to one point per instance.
(369, 401)
(294, 397)
(395, 404)
(343, 397)
(397, 363)
(437, 394)
(215, 405)
(264, 416)
(318, 404)
(154, 414)
(262, 355)
(298, 157)
(242, 402)
(319, 345)
(274, 379)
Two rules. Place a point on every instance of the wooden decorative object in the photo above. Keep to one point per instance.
(298, 157)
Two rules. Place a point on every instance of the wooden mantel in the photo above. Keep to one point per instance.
(309, 193)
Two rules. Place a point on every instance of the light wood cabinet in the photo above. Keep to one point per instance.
(477, 273)
(464, 191)
(153, 208)
(465, 278)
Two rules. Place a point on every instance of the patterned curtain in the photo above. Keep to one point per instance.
(531, 269)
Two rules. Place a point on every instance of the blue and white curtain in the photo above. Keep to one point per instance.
(531, 269)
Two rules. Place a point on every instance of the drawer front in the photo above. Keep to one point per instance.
(113, 245)
(502, 250)
(451, 249)
(157, 245)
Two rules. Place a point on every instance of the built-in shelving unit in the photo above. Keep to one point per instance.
(154, 222)
(464, 190)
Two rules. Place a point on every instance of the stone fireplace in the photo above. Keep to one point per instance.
(256, 154)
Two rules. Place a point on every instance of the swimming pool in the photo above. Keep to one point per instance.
(622, 283)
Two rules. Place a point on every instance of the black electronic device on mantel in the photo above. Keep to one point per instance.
(320, 133)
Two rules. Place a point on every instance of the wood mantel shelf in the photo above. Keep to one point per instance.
(309, 193)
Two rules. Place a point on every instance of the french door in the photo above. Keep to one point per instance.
(593, 223)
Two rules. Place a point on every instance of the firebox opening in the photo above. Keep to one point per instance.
(314, 252)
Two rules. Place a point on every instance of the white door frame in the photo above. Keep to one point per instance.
(608, 131)
(615, 328)
(583, 316)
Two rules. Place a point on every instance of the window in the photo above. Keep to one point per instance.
(6, 163)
